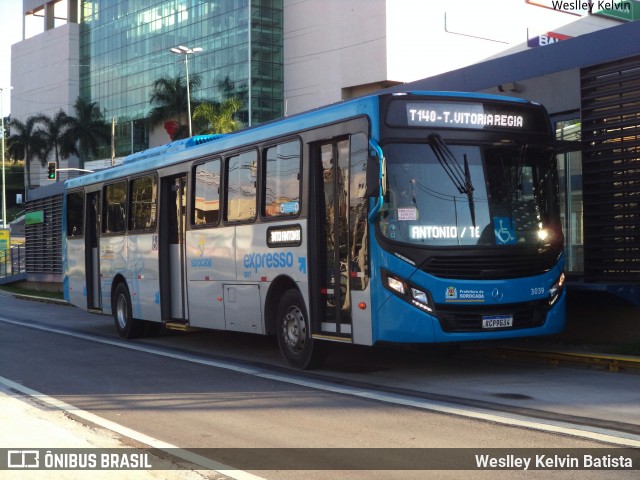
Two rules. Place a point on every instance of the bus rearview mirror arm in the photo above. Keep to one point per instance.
(382, 178)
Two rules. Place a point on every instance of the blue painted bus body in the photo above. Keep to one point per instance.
(392, 319)
(396, 321)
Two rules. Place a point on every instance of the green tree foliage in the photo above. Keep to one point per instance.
(169, 97)
(58, 137)
(58, 142)
(25, 143)
(88, 128)
(218, 117)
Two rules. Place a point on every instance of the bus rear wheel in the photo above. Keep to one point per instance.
(294, 333)
(127, 326)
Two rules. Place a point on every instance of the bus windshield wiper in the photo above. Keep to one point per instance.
(460, 175)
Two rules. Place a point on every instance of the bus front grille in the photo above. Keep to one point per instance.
(468, 318)
(490, 267)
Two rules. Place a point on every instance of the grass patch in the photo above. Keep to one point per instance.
(35, 293)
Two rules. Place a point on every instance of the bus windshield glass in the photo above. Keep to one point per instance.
(460, 195)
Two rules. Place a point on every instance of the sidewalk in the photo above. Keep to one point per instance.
(25, 424)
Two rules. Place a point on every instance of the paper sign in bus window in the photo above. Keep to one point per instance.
(407, 214)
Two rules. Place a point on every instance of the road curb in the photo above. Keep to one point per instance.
(36, 298)
(610, 362)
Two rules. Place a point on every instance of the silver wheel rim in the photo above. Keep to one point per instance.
(294, 330)
(121, 311)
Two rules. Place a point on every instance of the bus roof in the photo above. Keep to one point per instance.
(202, 145)
(471, 95)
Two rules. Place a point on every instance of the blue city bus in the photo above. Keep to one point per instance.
(419, 217)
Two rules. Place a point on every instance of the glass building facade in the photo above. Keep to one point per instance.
(125, 46)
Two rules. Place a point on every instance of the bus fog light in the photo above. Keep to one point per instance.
(421, 300)
(419, 295)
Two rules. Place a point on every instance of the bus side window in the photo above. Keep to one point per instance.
(281, 194)
(75, 214)
(143, 203)
(206, 192)
(241, 186)
(113, 212)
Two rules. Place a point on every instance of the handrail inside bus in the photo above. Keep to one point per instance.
(381, 179)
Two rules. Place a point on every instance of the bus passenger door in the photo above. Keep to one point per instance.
(333, 239)
(172, 248)
(339, 227)
(92, 257)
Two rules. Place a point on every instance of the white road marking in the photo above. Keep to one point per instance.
(129, 433)
(565, 428)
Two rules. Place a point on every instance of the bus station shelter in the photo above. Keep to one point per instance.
(591, 86)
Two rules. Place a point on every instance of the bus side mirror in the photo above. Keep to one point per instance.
(373, 177)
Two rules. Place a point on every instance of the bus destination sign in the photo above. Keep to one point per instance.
(462, 115)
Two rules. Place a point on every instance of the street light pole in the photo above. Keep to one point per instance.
(4, 183)
(186, 51)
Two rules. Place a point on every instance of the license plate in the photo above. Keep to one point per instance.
(497, 321)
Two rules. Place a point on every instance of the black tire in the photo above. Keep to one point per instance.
(127, 326)
(294, 334)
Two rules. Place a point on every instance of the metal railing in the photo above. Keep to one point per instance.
(13, 261)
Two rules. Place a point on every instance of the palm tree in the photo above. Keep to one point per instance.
(56, 138)
(169, 95)
(88, 129)
(26, 143)
(219, 116)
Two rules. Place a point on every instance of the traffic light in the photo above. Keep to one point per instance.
(51, 172)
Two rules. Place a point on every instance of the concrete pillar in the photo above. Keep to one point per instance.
(72, 11)
(49, 16)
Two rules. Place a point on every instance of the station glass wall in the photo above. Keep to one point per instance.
(570, 179)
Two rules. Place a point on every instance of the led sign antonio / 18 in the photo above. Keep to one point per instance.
(462, 115)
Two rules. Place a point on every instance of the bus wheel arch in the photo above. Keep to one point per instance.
(293, 331)
(122, 310)
(276, 291)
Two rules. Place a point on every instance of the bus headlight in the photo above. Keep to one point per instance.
(396, 285)
(409, 293)
(556, 289)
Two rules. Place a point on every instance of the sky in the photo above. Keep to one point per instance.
(11, 32)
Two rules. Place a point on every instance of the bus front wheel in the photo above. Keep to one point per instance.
(127, 326)
(294, 333)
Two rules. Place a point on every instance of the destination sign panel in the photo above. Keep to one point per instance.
(468, 115)
(461, 115)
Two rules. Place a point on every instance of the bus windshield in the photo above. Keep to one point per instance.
(457, 195)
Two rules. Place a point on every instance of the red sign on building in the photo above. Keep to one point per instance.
(546, 39)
